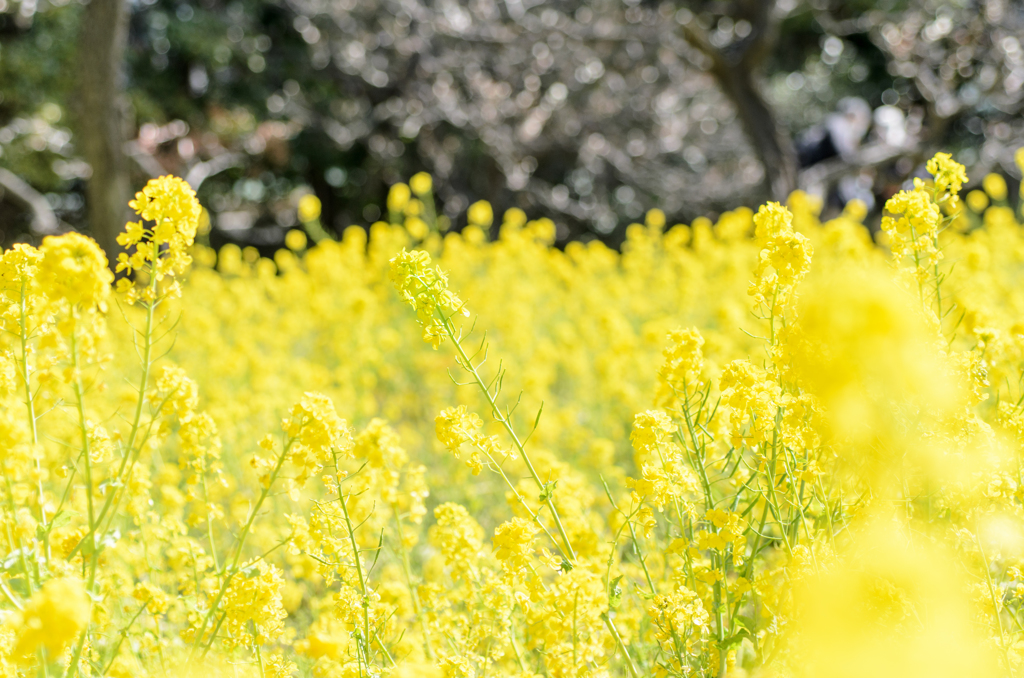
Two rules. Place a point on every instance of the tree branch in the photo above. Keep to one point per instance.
(44, 221)
(215, 165)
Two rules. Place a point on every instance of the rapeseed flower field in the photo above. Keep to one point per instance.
(763, 446)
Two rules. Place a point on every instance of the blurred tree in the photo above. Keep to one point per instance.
(736, 65)
(589, 112)
(100, 117)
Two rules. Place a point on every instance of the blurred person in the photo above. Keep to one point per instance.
(840, 134)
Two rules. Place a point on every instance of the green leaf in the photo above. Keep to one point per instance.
(615, 593)
(60, 520)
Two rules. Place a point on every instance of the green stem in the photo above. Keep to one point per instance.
(413, 593)
(31, 407)
(121, 636)
(82, 425)
(232, 569)
(622, 646)
(131, 454)
(467, 365)
(342, 500)
(522, 502)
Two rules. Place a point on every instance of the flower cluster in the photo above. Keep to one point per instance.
(684, 361)
(161, 241)
(513, 544)
(950, 176)
(914, 227)
(75, 271)
(784, 259)
(426, 290)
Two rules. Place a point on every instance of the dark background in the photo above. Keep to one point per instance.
(590, 113)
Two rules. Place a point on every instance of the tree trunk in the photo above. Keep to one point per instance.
(100, 117)
(735, 68)
(773, 146)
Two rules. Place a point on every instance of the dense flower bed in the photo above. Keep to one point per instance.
(761, 446)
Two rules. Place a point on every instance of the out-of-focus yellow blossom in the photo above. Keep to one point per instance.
(651, 430)
(655, 219)
(684, 361)
(455, 427)
(480, 214)
(53, 617)
(295, 240)
(421, 184)
(309, 208)
(414, 208)
(459, 538)
(417, 228)
(398, 197)
(891, 607)
(995, 186)
(977, 201)
(154, 599)
(252, 605)
(18, 269)
(74, 269)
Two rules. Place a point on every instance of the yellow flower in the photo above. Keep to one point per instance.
(315, 425)
(421, 184)
(513, 218)
(74, 268)
(978, 200)
(171, 204)
(995, 186)
(309, 208)
(453, 666)
(655, 219)
(784, 259)
(856, 209)
(771, 221)
(513, 544)
(295, 240)
(455, 426)
(398, 197)
(18, 274)
(678, 615)
(426, 290)
(417, 228)
(949, 175)
(915, 226)
(53, 617)
(162, 249)
(681, 370)
(155, 600)
(254, 596)
(651, 429)
(480, 214)
(181, 393)
(459, 537)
